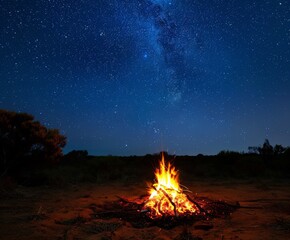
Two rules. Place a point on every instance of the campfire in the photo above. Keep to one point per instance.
(167, 197)
(167, 204)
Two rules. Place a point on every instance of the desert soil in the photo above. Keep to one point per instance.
(65, 212)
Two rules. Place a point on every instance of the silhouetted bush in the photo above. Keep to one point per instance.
(279, 149)
(75, 156)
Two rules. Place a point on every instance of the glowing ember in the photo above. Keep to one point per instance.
(167, 198)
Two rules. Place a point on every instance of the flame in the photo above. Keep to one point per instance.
(167, 198)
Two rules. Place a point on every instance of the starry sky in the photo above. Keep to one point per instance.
(131, 77)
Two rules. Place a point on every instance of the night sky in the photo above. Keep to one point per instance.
(130, 77)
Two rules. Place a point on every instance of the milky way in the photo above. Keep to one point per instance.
(167, 38)
(135, 77)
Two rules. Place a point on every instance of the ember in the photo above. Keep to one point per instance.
(167, 198)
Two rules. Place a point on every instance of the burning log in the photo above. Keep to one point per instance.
(140, 216)
(168, 198)
(166, 195)
(167, 204)
(196, 204)
(159, 206)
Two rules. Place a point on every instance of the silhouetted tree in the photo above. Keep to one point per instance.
(266, 149)
(287, 152)
(24, 140)
(279, 149)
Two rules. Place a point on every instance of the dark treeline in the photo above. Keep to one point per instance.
(31, 154)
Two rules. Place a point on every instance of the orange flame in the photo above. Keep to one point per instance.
(167, 198)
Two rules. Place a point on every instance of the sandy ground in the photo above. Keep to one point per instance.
(65, 213)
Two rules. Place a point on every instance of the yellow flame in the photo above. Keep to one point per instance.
(166, 196)
(166, 176)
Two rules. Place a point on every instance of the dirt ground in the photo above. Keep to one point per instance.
(66, 213)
